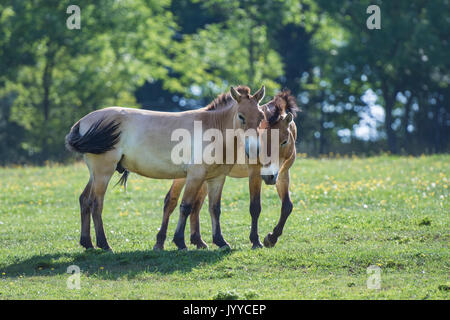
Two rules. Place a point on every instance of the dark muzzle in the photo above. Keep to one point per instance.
(270, 179)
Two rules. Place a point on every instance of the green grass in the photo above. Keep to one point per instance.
(348, 214)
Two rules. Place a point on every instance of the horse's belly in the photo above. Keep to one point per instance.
(239, 171)
(146, 164)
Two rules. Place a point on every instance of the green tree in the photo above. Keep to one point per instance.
(405, 62)
(63, 74)
(238, 46)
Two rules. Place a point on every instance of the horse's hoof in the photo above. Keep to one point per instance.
(180, 243)
(108, 249)
(267, 242)
(158, 247)
(202, 245)
(257, 246)
(198, 241)
(225, 247)
(86, 243)
(183, 249)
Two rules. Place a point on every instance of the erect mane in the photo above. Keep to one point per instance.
(283, 102)
(275, 114)
(286, 102)
(224, 99)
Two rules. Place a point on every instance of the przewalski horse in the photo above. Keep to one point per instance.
(140, 141)
(278, 114)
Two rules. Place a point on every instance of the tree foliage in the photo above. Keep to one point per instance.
(405, 62)
(174, 55)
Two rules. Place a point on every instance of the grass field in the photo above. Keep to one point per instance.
(391, 212)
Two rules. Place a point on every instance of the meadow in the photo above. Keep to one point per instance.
(349, 214)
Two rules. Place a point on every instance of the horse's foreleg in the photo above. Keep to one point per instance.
(170, 203)
(194, 218)
(286, 208)
(193, 185)
(255, 205)
(86, 209)
(215, 187)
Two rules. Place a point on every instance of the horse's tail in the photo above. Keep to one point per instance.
(123, 179)
(98, 139)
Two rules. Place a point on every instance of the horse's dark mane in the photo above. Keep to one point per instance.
(283, 102)
(274, 116)
(224, 99)
(288, 99)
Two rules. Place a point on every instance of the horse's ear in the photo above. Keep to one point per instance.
(259, 95)
(236, 95)
(289, 117)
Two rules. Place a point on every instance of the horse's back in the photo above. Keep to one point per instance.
(107, 115)
(132, 116)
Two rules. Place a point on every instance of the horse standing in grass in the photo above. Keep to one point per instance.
(278, 114)
(133, 140)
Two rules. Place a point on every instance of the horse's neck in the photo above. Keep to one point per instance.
(223, 118)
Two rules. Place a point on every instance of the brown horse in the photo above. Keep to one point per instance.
(140, 141)
(278, 114)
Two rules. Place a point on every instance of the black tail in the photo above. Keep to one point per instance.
(98, 139)
(123, 179)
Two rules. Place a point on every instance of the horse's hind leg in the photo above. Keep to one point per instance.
(194, 218)
(86, 209)
(170, 203)
(102, 167)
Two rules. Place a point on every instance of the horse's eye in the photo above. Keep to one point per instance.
(284, 142)
(241, 118)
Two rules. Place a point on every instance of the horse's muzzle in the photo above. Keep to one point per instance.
(270, 179)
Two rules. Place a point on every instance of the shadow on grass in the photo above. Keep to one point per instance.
(111, 266)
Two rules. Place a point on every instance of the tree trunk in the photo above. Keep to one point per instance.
(322, 131)
(46, 84)
(251, 73)
(389, 101)
(437, 130)
(406, 135)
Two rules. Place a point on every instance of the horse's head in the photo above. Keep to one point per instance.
(248, 115)
(279, 128)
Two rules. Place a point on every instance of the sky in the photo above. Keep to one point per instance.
(370, 119)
